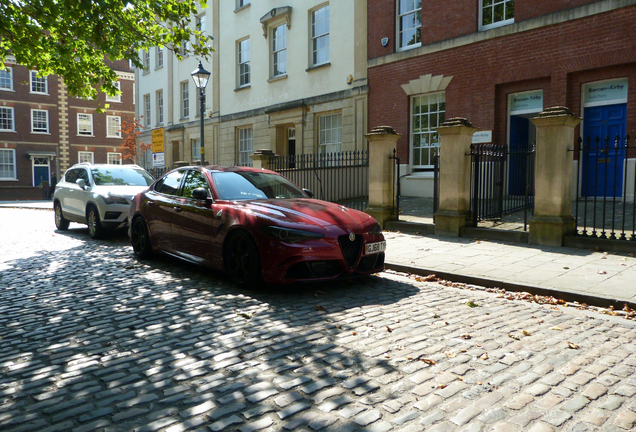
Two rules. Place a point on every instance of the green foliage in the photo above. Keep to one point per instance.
(70, 38)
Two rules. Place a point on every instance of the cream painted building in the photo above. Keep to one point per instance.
(168, 103)
(293, 77)
(290, 77)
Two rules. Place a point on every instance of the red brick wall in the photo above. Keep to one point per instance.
(598, 47)
(443, 19)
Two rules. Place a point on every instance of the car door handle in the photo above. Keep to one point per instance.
(178, 209)
(150, 203)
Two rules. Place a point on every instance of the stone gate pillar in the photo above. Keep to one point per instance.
(455, 137)
(382, 141)
(554, 167)
(261, 158)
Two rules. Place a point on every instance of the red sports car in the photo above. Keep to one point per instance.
(253, 224)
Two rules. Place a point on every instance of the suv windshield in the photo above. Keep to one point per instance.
(254, 185)
(121, 177)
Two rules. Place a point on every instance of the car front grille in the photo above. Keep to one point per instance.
(371, 262)
(314, 270)
(112, 215)
(350, 249)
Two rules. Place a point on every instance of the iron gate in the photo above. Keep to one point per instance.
(502, 182)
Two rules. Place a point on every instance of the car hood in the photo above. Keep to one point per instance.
(127, 192)
(305, 211)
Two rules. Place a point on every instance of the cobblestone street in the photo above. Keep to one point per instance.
(93, 340)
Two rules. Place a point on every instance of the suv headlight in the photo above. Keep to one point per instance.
(111, 199)
(377, 229)
(288, 235)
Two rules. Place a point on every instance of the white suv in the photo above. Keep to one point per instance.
(98, 195)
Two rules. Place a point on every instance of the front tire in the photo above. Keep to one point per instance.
(60, 222)
(140, 239)
(95, 229)
(242, 260)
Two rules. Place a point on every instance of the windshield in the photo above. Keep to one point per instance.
(121, 177)
(248, 185)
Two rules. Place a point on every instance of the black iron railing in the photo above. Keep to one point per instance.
(602, 208)
(341, 177)
(502, 182)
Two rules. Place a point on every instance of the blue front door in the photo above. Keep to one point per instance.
(41, 173)
(603, 159)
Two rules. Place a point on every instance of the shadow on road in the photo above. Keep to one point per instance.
(93, 338)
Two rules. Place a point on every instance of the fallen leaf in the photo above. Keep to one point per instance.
(484, 356)
(465, 336)
(320, 308)
(527, 333)
(354, 333)
(450, 354)
(442, 386)
(515, 337)
(556, 328)
(428, 361)
(472, 304)
(601, 272)
(573, 346)
(389, 329)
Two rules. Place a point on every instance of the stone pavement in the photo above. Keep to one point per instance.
(93, 340)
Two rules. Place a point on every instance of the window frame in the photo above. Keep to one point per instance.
(158, 57)
(12, 119)
(315, 38)
(398, 19)
(240, 63)
(4, 78)
(85, 153)
(116, 98)
(492, 25)
(34, 79)
(145, 60)
(324, 144)
(43, 130)
(241, 4)
(185, 99)
(245, 145)
(159, 104)
(430, 131)
(12, 164)
(147, 108)
(276, 51)
(79, 131)
(109, 127)
(113, 156)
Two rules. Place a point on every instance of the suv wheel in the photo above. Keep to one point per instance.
(95, 229)
(60, 222)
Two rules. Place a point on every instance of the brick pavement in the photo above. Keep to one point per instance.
(91, 339)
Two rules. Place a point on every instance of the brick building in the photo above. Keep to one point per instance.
(498, 63)
(43, 131)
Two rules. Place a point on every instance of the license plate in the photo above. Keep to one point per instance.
(372, 248)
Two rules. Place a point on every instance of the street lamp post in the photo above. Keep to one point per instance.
(201, 77)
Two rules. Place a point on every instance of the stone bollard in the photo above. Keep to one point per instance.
(455, 136)
(262, 158)
(554, 167)
(382, 141)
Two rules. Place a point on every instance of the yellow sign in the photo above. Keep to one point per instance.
(157, 140)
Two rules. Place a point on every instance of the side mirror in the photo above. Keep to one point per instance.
(308, 192)
(81, 183)
(200, 194)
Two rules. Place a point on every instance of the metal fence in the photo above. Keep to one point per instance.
(158, 172)
(602, 208)
(341, 177)
(502, 182)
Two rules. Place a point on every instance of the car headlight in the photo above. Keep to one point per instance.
(110, 199)
(289, 235)
(377, 229)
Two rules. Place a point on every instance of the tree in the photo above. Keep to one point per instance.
(130, 147)
(71, 38)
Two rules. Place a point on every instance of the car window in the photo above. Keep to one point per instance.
(71, 175)
(254, 185)
(82, 174)
(194, 179)
(117, 176)
(170, 183)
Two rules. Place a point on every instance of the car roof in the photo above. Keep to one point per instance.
(226, 168)
(91, 165)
